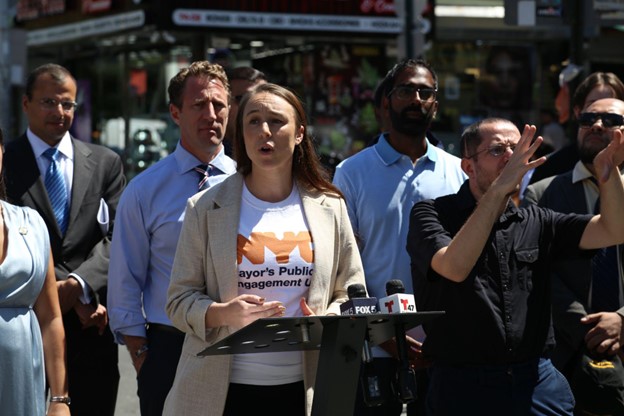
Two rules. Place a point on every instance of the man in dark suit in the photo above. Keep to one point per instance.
(597, 85)
(75, 187)
(583, 317)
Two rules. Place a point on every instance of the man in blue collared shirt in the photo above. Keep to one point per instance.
(382, 183)
(148, 223)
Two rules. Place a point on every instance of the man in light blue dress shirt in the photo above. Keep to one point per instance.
(381, 184)
(148, 223)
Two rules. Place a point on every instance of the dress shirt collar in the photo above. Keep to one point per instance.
(580, 172)
(39, 146)
(389, 155)
(187, 162)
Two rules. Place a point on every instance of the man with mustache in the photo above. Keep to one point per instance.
(587, 313)
(381, 184)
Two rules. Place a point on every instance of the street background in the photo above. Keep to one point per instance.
(127, 400)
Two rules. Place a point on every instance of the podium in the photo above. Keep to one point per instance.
(340, 340)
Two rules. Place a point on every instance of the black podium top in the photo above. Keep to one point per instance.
(305, 333)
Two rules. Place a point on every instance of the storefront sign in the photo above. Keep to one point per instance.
(30, 10)
(308, 7)
(285, 21)
(609, 5)
(91, 27)
(95, 6)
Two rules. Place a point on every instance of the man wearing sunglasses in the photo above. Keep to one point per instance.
(486, 262)
(597, 85)
(588, 304)
(381, 184)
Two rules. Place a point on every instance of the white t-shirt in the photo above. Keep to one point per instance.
(275, 256)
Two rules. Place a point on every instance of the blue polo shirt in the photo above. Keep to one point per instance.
(380, 186)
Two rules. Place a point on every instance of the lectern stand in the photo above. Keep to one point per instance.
(340, 340)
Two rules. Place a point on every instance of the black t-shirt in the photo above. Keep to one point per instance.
(501, 313)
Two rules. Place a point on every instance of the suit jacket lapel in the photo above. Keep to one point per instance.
(30, 178)
(320, 219)
(223, 221)
(83, 173)
(578, 200)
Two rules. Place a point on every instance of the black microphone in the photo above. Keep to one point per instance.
(358, 304)
(394, 286)
(397, 302)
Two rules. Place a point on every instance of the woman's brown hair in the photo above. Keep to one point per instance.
(307, 169)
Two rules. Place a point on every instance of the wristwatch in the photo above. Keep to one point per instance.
(143, 348)
(60, 399)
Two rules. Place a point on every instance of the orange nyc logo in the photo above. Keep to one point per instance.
(253, 248)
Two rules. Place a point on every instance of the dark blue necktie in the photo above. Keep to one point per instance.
(55, 186)
(605, 281)
(605, 278)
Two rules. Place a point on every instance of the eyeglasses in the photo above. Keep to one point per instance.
(52, 104)
(609, 120)
(409, 92)
(495, 151)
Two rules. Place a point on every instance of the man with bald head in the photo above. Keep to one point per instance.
(588, 304)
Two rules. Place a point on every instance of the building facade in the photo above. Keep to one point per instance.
(331, 52)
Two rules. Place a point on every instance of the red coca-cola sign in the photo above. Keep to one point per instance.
(377, 6)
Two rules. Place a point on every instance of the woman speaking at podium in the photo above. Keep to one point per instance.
(272, 240)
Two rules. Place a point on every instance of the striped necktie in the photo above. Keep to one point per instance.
(204, 172)
(55, 186)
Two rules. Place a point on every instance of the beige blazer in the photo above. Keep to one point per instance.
(205, 271)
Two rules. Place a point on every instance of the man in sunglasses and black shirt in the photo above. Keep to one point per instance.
(588, 304)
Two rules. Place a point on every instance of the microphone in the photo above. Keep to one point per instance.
(359, 304)
(397, 302)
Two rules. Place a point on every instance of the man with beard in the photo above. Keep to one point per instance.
(381, 184)
(587, 313)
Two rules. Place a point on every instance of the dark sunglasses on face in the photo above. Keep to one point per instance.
(496, 151)
(609, 120)
(409, 92)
